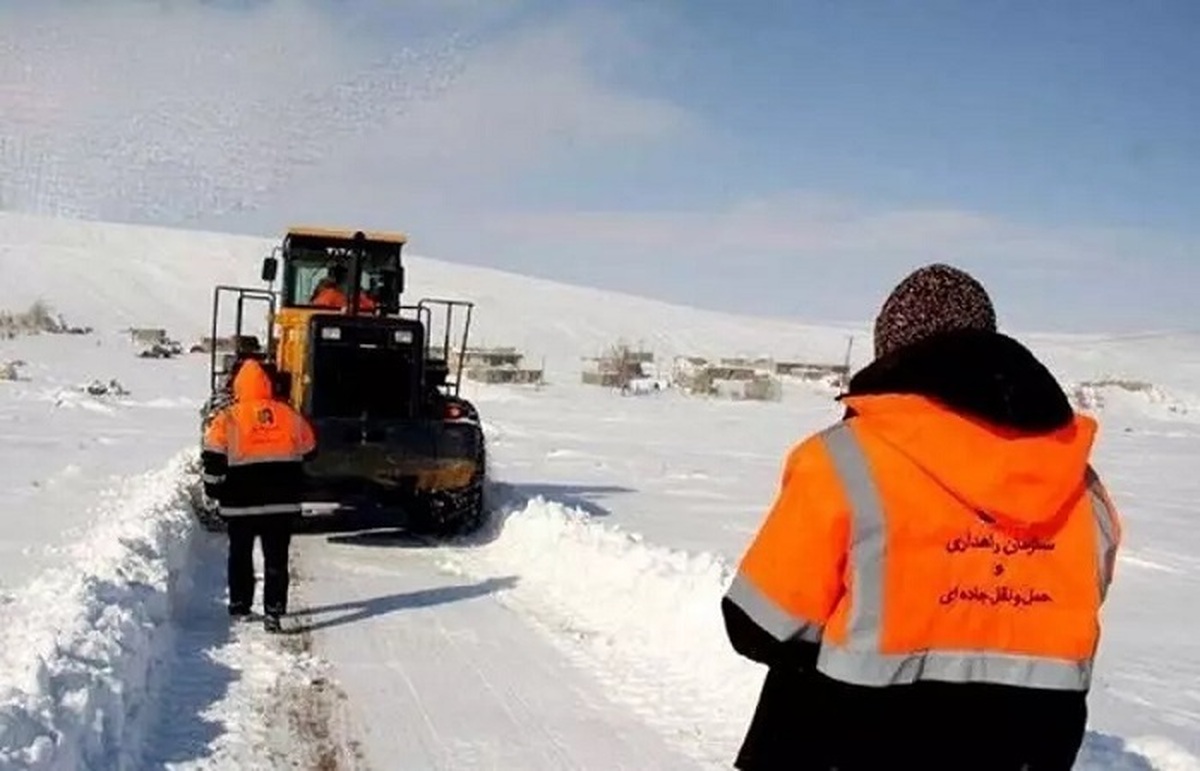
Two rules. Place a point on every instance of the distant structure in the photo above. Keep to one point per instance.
(153, 343)
(147, 335)
(222, 345)
(631, 370)
(833, 375)
(11, 370)
(498, 365)
(752, 379)
(731, 378)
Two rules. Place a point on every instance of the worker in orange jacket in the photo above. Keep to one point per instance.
(253, 455)
(926, 588)
(328, 292)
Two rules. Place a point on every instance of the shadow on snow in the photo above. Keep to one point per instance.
(1109, 752)
(391, 603)
(501, 500)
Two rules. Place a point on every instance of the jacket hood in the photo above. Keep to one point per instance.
(251, 382)
(979, 414)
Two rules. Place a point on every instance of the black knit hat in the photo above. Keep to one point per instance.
(931, 300)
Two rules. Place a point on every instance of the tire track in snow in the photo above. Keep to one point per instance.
(443, 676)
(316, 713)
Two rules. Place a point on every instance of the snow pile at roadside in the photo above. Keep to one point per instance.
(80, 646)
(217, 693)
(646, 620)
(1128, 396)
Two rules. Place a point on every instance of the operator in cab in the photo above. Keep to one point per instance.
(329, 293)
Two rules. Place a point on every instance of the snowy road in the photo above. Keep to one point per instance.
(580, 630)
(443, 676)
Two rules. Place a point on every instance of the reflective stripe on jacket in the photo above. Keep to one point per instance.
(917, 545)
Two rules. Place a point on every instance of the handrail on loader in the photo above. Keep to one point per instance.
(243, 294)
(450, 305)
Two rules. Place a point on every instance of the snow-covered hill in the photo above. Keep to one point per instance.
(112, 276)
(145, 276)
(581, 631)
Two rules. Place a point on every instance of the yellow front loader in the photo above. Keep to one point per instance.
(396, 443)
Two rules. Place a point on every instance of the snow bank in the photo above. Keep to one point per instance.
(1129, 396)
(81, 645)
(643, 617)
(646, 620)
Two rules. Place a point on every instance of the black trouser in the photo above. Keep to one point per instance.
(276, 534)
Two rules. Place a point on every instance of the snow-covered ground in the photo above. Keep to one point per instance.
(63, 448)
(580, 630)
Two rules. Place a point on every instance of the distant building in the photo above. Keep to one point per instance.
(148, 336)
(497, 365)
(619, 367)
(739, 379)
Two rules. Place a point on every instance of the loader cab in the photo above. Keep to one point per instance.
(358, 263)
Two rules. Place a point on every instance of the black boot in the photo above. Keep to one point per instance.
(271, 624)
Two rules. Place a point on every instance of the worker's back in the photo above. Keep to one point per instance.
(927, 585)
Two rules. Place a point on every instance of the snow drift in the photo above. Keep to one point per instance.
(644, 616)
(82, 645)
(1126, 397)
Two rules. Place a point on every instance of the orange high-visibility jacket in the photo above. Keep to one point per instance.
(254, 448)
(333, 297)
(914, 544)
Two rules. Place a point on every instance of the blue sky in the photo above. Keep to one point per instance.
(783, 158)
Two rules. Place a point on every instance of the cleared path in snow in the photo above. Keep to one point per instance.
(234, 696)
(440, 675)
